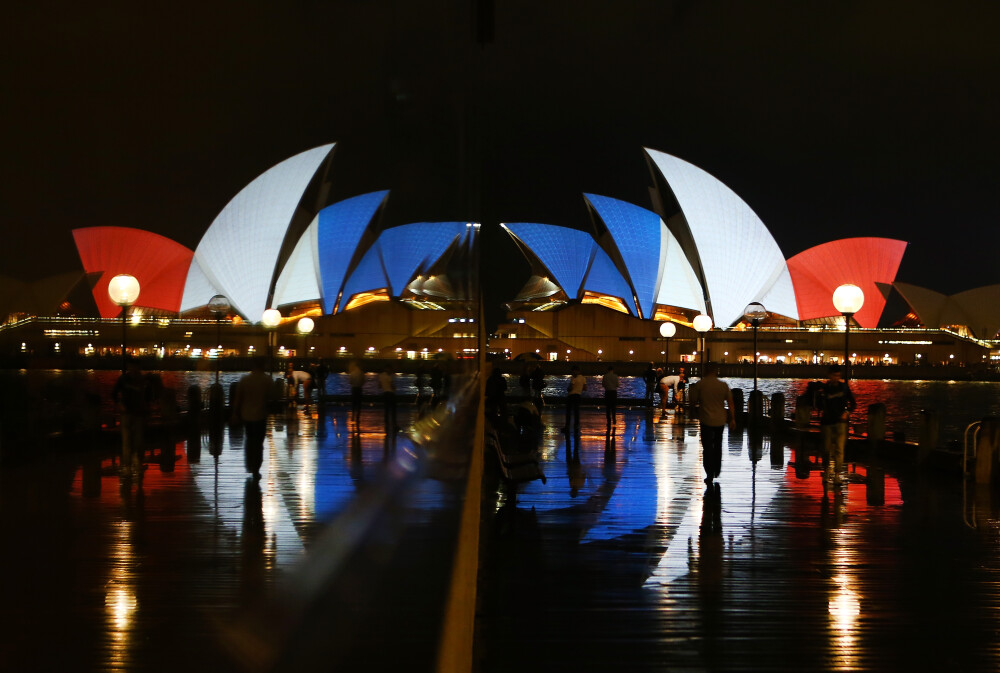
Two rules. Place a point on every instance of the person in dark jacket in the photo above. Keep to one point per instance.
(835, 402)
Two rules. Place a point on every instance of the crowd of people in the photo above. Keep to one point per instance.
(709, 398)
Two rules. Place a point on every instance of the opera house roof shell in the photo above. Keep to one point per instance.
(273, 245)
(705, 251)
(701, 249)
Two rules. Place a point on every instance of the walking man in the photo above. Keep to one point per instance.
(836, 402)
(356, 377)
(250, 406)
(650, 379)
(610, 383)
(714, 401)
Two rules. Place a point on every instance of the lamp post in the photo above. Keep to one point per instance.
(848, 299)
(755, 314)
(219, 306)
(667, 330)
(304, 326)
(702, 324)
(271, 318)
(123, 290)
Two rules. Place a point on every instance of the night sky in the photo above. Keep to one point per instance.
(829, 119)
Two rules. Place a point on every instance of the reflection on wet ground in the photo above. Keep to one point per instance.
(624, 558)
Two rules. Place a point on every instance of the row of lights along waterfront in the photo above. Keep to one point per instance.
(848, 299)
(124, 288)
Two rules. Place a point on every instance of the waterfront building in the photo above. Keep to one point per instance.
(598, 292)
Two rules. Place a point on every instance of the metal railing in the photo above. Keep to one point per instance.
(969, 516)
(974, 428)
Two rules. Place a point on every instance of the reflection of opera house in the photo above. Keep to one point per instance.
(603, 293)
(409, 291)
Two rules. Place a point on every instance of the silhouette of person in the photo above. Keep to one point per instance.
(610, 383)
(836, 402)
(496, 389)
(387, 384)
(715, 406)
(250, 406)
(577, 384)
(356, 379)
(132, 395)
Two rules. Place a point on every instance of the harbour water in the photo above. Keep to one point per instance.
(958, 403)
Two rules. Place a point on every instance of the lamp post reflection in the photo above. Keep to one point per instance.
(304, 326)
(667, 330)
(270, 319)
(755, 314)
(702, 324)
(219, 306)
(848, 299)
(124, 291)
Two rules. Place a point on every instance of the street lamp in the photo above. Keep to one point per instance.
(755, 314)
(124, 291)
(667, 330)
(304, 326)
(702, 324)
(219, 306)
(848, 299)
(271, 318)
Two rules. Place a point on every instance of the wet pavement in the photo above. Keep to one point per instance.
(624, 558)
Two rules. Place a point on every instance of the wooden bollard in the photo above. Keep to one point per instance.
(755, 408)
(803, 411)
(738, 404)
(930, 427)
(194, 402)
(875, 485)
(778, 412)
(987, 442)
(876, 426)
(216, 401)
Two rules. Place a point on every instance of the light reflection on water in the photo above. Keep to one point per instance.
(957, 402)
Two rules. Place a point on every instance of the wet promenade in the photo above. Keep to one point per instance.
(339, 558)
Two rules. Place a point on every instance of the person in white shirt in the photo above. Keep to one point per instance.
(714, 401)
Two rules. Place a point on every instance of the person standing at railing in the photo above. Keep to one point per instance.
(356, 378)
(133, 395)
(836, 402)
(574, 391)
(610, 383)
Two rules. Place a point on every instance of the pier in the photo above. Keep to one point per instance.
(622, 557)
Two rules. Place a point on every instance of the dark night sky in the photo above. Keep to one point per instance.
(829, 119)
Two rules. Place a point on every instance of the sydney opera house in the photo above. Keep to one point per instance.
(600, 291)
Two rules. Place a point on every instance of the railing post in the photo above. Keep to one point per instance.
(876, 426)
(803, 412)
(986, 450)
(930, 425)
(778, 412)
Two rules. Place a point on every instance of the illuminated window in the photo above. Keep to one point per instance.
(363, 298)
(613, 303)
